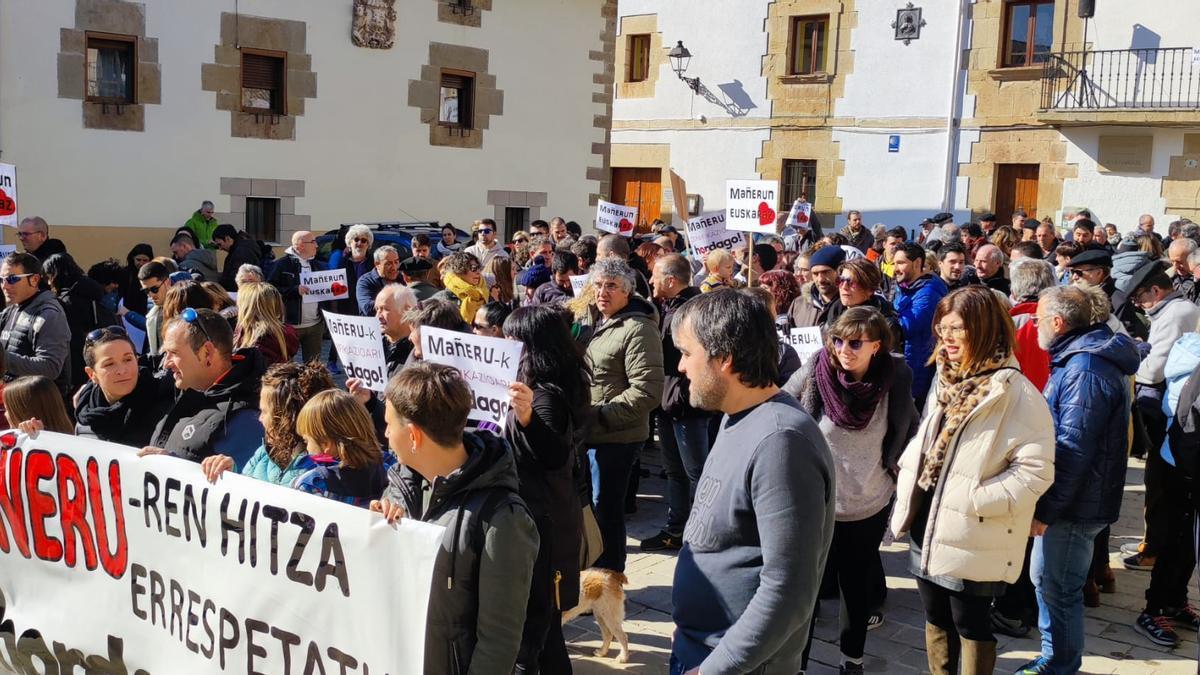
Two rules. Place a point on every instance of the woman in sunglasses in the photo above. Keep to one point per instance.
(357, 259)
(858, 283)
(122, 400)
(970, 479)
(860, 395)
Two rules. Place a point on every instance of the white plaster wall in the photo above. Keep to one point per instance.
(705, 159)
(359, 147)
(1120, 198)
(727, 41)
(891, 79)
(1121, 24)
(900, 188)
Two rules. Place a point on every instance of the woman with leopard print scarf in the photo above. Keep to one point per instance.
(970, 479)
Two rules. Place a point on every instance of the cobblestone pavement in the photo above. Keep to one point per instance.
(1113, 646)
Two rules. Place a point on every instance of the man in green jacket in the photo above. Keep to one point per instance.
(626, 357)
(201, 224)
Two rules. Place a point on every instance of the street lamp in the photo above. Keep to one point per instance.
(680, 59)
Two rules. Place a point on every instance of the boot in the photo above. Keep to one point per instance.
(979, 658)
(941, 650)
(1091, 594)
(1107, 580)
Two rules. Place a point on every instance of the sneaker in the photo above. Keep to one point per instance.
(1186, 617)
(849, 667)
(663, 541)
(1035, 667)
(1017, 628)
(874, 620)
(1139, 562)
(1133, 547)
(1158, 628)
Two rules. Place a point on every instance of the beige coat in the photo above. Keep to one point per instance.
(996, 467)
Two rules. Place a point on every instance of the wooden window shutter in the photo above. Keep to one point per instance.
(261, 72)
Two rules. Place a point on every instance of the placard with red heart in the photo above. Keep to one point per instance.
(324, 285)
(750, 205)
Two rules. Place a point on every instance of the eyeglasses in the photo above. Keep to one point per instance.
(14, 278)
(308, 241)
(486, 230)
(193, 317)
(26, 235)
(956, 332)
(854, 345)
(847, 281)
(118, 331)
(151, 290)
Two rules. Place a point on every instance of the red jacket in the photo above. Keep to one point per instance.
(1034, 361)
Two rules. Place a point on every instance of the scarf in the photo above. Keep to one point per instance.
(470, 298)
(959, 392)
(849, 404)
(109, 420)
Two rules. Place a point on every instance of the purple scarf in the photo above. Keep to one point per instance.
(850, 404)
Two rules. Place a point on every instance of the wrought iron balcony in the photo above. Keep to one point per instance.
(1122, 79)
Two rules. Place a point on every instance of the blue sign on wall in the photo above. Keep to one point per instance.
(894, 143)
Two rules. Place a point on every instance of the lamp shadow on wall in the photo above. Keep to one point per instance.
(735, 102)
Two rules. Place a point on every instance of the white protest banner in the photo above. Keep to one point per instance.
(615, 218)
(359, 342)
(805, 341)
(578, 283)
(8, 195)
(131, 564)
(800, 214)
(707, 231)
(749, 205)
(325, 285)
(488, 364)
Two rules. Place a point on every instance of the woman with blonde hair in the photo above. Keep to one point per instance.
(260, 323)
(34, 402)
(341, 440)
(971, 477)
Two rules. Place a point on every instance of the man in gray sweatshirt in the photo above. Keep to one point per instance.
(761, 523)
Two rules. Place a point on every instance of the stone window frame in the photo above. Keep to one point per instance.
(502, 199)
(224, 75)
(284, 189)
(451, 11)
(638, 24)
(486, 100)
(109, 19)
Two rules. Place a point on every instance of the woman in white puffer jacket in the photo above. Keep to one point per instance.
(971, 477)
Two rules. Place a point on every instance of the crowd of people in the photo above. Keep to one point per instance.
(978, 390)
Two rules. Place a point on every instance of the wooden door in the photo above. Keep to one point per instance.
(1016, 188)
(642, 188)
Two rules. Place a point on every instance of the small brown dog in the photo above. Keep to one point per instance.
(600, 590)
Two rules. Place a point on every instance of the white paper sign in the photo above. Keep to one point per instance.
(8, 195)
(806, 341)
(750, 205)
(616, 218)
(359, 342)
(141, 565)
(578, 283)
(136, 335)
(488, 364)
(800, 215)
(325, 285)
(707, 231)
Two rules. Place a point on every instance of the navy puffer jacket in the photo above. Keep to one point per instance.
(1090, 397)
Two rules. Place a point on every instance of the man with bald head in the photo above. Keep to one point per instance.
(1146, 223)
(989, 264)
(305, 317)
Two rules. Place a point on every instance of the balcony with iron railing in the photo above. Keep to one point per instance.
(1122, 86)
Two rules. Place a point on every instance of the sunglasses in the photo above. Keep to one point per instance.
(1077, 272)
(361, 240)
(14, 278)
(846, 281)
(486, 230)
(481, 326)
(193, 317)
(854, 345)
(151, 290)
(108, 331)
(474, 268)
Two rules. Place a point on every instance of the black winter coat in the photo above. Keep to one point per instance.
(489, 547)
(220, 420)
(129, 421)
(244, 252)
(81, 302)
(285, 275)
(675, 386)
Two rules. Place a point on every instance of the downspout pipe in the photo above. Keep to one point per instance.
(954, 114)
